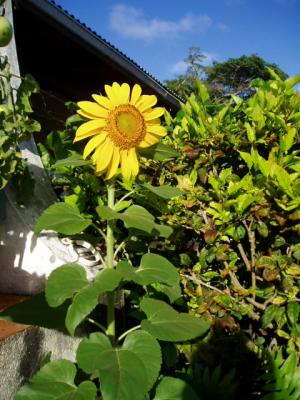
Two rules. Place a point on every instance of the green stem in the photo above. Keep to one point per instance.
(97, 324)
(125, 197)
(110, 331)
(99, 230)
(127, 332)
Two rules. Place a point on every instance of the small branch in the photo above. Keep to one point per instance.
(101, 258)
(127, 332)
(256, 304)
(103, 329)
(235, 282)
(251, 237)
(99, 230)
(119, 248)
(204, 216)
(200, 282)
(244, 257)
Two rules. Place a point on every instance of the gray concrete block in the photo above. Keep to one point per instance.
(21, 355)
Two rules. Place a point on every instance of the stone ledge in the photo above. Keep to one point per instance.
(23, 347)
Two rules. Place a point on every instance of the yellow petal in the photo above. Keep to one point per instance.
(155, 121)
(134, 164)
(93, 109)
(149, 140)
(85, 114)
(103, 101)
(125, 165)
(103, 155)
(90, 126)
(86, 135)
(113, 93)
(136, 93)
(117, 93)
(157, 130)
(124, 93)
(114, 163)
(109, 92)
(155, 113)
(146, 102)
(93, 143)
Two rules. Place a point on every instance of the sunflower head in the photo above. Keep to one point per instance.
(117, 125)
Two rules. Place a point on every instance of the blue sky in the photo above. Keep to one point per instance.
(157, 34)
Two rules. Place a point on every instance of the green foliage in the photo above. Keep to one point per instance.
(229, 230)
(239, 170)
(282, 378)
(16, 126)
(62, 218)
(174, 389)
(36, 311)
(235, 74)
(164, 323)
(232, 76)
(125, 372)
(128, 370)
(55, 381)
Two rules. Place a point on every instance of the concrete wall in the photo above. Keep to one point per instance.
(22, 353)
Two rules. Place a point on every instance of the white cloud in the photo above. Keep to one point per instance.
(130, 22)
(178, 68)
(223, 27)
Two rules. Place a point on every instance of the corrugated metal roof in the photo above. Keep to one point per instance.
(78, 28)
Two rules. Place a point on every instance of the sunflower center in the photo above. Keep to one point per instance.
(126, 126)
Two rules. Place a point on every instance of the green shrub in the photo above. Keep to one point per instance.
(238, 223)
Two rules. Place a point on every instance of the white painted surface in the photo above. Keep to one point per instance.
(26, 260)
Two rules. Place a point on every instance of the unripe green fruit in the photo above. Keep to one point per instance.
(6, 31)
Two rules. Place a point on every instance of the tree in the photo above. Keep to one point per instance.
(235, 75)
(222, 78)
(184, 84)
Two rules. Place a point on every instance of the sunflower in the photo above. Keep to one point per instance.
(119, 123)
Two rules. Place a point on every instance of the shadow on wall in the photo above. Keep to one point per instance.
(26, 260)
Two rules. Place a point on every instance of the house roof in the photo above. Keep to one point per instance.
(79, 34)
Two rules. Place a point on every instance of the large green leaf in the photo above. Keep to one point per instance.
(165, 323)
(174, 389)
(159, 152)
(153, 268)
(86, 299)
(122, 374)
(172, 292)
(292, 81)
(107, 213)
(75, 160)
(63, 282)
(55, 381)
(130, 273)
(88, 350)
(165, 191)
(36, 311)
(147, 348)
(62, 218)
(136, 217)
(139, 218)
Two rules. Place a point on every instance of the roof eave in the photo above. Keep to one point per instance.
(88, 38)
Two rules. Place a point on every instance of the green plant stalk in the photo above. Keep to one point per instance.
(111, 329)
